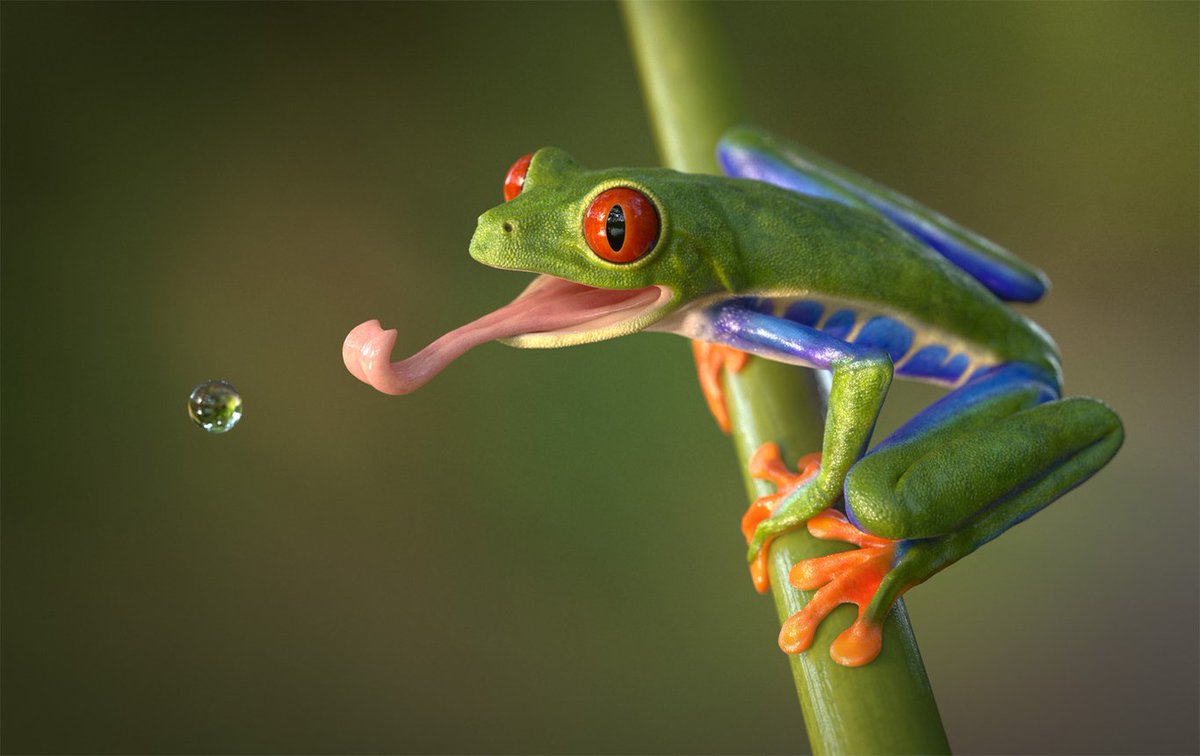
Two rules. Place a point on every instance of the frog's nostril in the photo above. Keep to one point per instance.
(508, 227)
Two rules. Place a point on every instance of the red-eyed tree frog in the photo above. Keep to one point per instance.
(791, 257)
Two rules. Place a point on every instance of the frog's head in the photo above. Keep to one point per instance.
(611, 259)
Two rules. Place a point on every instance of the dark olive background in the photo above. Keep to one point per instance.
(539, 550)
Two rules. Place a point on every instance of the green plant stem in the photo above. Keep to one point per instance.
(886, 706)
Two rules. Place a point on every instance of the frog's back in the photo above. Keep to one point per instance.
(854, 275)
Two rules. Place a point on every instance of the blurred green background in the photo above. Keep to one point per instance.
(539, 550)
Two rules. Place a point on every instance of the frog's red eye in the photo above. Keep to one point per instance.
(621, 225)
(516, 177)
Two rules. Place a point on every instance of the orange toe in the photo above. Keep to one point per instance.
(766, 464)
(811, 574)
(832, 525)
(710, 359)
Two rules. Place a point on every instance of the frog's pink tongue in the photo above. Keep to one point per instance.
(549, 304)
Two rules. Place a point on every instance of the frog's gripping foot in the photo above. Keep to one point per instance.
(864, 577)
(848, 577)
(767, 465)
(710, 359)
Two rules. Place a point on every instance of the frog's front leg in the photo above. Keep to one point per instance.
(861, 376)
(982, 459)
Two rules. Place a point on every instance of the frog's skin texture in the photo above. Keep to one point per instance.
(795, 259)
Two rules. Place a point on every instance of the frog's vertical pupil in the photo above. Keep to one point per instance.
(614, 228)
(621, 225)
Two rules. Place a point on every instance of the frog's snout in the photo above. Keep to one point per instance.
(495, 232)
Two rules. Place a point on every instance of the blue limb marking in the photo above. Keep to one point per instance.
(840, 324)
(934, 361)
(780, 339)
(887, 334)
(805, 312)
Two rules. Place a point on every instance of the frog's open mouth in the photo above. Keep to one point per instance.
(551, 312)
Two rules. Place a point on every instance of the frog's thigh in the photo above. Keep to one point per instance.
(1001, 441)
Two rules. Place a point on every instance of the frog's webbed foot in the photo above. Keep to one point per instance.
(871, 577)
(767, 465)
(710, 359)
(848, 577)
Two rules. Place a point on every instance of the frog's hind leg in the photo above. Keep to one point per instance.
(980, 460)
(1002, 438)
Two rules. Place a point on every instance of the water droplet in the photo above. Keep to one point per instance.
(215, 406)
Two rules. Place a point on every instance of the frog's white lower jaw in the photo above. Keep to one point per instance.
(551, 312)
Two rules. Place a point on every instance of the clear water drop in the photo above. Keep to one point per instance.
(215, 406)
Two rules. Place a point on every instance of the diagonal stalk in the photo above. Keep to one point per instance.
(886, 706)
